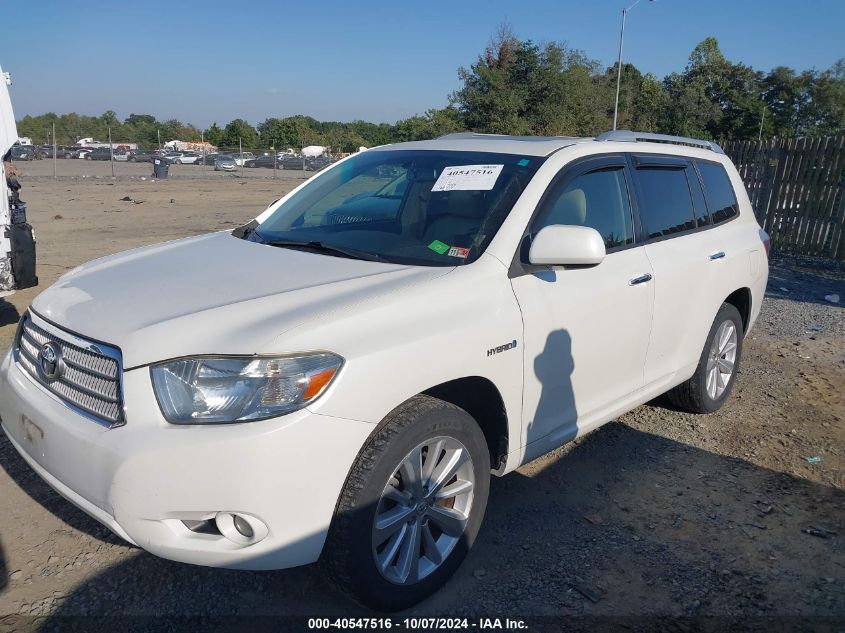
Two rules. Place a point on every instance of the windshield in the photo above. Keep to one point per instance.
(430, 208)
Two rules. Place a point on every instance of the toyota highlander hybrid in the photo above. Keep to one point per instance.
(338, 379)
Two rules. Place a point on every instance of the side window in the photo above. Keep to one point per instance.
(667, 205)
(719, 192)
(598, 199)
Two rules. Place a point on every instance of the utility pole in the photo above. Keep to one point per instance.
(111, 153)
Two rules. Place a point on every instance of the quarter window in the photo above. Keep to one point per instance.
(719, 192)
(667, 205)
(598, 199)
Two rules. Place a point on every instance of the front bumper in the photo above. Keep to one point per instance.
(142, 480)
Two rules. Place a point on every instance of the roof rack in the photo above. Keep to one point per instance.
(633, 137)
(511, 137)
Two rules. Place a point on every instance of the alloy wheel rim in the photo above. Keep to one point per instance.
(721, 359)
(423, 510)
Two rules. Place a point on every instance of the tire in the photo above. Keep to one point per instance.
(177, 162)
(693, 395)
(348, 560)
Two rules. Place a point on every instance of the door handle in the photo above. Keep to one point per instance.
(717, 255)
(640, 280)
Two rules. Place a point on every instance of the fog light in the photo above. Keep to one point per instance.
(238, 527)
(242, 526)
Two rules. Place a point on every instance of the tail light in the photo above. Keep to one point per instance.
(767, 242)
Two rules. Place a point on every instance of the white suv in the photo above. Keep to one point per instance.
(339, 378)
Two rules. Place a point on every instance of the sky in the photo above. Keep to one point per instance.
(202, 61)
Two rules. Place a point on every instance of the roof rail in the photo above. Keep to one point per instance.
(633, 137)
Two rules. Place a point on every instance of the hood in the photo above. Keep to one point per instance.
(212, 294)
(8, 129)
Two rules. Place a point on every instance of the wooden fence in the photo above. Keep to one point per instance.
(797, 189)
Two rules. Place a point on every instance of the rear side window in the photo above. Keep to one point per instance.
(667, 205)
(598, 199)
(719, 192)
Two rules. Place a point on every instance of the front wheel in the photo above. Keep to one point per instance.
(718, 365)
(411, 507)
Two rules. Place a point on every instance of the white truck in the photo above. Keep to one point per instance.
(17, 243)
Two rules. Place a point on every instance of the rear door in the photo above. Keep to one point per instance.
(686, 256)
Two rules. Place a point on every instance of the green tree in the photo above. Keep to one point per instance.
(825, 111)
(213, 134)
(650, 105)
(239, 131)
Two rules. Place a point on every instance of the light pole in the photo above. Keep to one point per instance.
(763, 117)
(619, 61)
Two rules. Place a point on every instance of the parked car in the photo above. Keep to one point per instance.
(208, 159)
(318, 163)
(263, 161)
(62, 152)
(339, 381)
(121, 155)
(100, 153)
(185, 158)
(26, 152)
(141, 156)
(81, 152)
(289, 161)
(225, 162)
(242, 157)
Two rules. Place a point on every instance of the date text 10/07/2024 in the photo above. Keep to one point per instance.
(416, 624)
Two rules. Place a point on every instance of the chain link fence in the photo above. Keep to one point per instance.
(184, 160)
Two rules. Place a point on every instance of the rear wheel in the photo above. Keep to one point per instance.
(714, 377)
(411, 507)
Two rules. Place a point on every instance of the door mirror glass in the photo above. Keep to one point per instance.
(566, 245)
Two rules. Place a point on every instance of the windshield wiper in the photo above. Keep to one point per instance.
(316, 245)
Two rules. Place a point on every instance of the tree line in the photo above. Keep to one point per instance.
(520, 87)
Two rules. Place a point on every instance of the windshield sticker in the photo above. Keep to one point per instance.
(468, 178)
(439, 247)
(457, 251)
(524, 162)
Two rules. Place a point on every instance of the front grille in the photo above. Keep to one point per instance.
(88, 375)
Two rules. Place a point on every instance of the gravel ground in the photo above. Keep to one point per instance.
(660, 514)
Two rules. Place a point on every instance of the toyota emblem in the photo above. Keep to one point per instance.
(50, 360)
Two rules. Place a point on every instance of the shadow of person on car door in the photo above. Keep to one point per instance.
(556, 409)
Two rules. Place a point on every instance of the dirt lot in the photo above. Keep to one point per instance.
(659, 513)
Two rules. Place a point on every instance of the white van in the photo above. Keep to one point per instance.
(338, 379)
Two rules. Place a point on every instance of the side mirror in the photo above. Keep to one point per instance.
(565, 245)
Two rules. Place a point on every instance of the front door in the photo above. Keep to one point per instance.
(586, 328)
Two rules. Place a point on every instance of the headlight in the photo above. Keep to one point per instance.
(225, 390)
